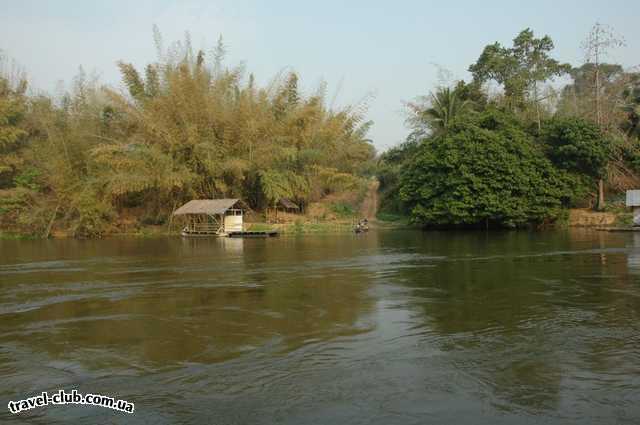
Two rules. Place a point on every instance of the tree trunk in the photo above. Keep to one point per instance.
(539, 119)
(598, 109)
(600, 205)
(55, 213)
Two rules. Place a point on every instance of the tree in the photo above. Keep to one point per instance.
(12, 134)
(599, 42)
(597, 45)
(438, 112)
(238, 139)
(631, 106)
(577, 145)
(578, 97)
(486, 169)
(389, 169)
(520, 68)
(189, 127)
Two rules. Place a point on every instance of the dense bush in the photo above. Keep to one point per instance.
(485, 170)
(189, 127)
(576, 145)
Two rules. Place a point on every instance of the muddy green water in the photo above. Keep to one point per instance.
(398, 327)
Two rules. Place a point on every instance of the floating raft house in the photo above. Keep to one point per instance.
(217, 217)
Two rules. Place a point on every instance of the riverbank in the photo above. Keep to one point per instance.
(615, 215)
(151, 231)
(331, 223)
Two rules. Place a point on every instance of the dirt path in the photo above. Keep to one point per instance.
(369, 207)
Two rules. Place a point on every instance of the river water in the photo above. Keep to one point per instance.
(390, 327)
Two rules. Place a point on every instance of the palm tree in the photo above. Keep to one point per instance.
(445, 108)
(437, 113)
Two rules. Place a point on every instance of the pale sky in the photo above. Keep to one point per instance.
(387, 48)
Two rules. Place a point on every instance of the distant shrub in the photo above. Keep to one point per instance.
(91, 216)
(391, 217)
(342, 209)
(28, 179)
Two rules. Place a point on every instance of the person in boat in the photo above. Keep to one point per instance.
(362, 226)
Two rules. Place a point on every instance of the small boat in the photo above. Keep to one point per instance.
(362, 226)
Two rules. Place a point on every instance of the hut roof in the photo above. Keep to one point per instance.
(288, 204)
(206, 206)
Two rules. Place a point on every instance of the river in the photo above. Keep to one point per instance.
(389, 327)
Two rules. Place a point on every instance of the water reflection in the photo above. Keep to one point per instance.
(202, 300)
(521, 313)
(633, 258)
(388, 327)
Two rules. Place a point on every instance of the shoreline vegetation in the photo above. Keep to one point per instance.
(529, 155)
(506, 149)
(97, 161)
(576, 218)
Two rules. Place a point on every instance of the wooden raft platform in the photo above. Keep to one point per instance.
(253, 234)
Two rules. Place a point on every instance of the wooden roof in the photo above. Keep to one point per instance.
(288, 204)
(206, 206)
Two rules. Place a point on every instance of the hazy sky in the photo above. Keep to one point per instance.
(358, 47)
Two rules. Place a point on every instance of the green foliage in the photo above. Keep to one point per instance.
(232, 138)
(576, 145)
(343, 210)
(13, 200)
(439, 111)
(631, 105)
(15, 236)
(23, 211)
(609, 105)
(389, 168)
(485, 170)
(260, 227)
(276, 185)
(298, 227)
(391, 217)
(584, 75)
(188, 128)
(28, 178)
(12, 135)
(482, 169)
(520, 67)
(91, 215)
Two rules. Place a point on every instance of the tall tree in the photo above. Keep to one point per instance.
(520, 68)
(599, 42)
(578, 97)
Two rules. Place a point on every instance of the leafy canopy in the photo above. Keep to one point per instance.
(577, 145)
(520, 67)
(485, 170)
(438, 112)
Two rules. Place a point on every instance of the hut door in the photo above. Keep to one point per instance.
(233, 221)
